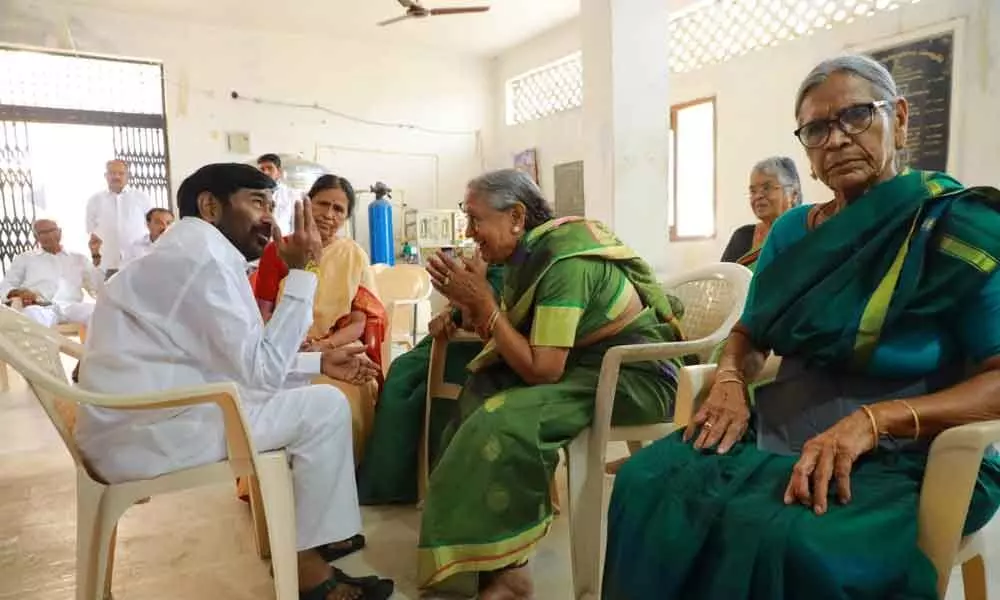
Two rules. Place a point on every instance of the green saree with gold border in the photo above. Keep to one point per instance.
(488, 501)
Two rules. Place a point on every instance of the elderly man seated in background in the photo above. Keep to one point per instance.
(157, 221)
(48, 281)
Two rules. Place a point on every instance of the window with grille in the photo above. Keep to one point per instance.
(692, 166)
(725, 29)
(547, 90)
(80, 83)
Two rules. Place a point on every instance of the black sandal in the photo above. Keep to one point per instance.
(354, 543)
(379, 589)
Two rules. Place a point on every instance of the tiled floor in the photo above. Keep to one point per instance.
(194, 545)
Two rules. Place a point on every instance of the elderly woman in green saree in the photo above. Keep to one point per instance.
(571, 290)
(388, 472)
(885, 306)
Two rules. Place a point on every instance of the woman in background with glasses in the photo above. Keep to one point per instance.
(774, 188)
(879, 302)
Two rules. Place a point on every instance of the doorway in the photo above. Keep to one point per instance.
(61, 119)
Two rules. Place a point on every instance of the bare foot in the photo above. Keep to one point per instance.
(510, 584)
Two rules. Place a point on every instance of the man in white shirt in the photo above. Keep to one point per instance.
(185, 315)
(158, 220)
(284, 196)
(116, 216)
(49, 281)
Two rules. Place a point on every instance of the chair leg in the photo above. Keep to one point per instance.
(109, 573)
(96, 527)
(4, 381)
(586, 490)
(974, 578)
(275, 486)
(260, 534)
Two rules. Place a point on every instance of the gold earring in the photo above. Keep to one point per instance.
(517, 229)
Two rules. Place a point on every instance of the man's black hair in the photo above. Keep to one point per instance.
(153, 212)
(271, 158)
(221, 180)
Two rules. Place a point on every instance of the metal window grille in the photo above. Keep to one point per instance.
(704, 35)
(546, 91)
(80, 83)
(724, 30)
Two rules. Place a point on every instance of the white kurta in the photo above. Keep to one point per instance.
(137, 249)
(284, 206)
(59, 279)
(119, 220)
(185, 315)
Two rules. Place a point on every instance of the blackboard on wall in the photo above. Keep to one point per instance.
(923, 71)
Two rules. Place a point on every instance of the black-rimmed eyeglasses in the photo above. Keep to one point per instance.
(853, 120)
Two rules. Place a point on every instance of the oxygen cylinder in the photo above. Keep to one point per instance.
(380, 226)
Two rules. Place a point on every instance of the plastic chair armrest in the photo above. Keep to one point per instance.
(223, 395)
(693, 385)
(952, 468)
(607, 382)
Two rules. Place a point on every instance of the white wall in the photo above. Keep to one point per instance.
(559, 138)
(204, 63)
(754, 97)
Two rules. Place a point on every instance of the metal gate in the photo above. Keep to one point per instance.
(139, 138)
(16, 196)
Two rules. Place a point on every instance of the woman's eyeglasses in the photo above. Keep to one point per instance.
(764, 190)
(853, 120)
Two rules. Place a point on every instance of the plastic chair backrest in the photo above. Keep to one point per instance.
(711, 296)
(402, 282)
(35, 352)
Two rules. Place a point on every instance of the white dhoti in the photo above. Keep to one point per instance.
(312, 424)
(53, 314)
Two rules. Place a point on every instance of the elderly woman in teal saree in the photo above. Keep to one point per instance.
(879, 302)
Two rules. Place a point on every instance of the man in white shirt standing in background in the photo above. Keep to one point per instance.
(284, 196)
(157, 221)
(116, 216)
(186, 316)
(49, 281)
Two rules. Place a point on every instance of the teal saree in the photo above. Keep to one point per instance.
(694, 525)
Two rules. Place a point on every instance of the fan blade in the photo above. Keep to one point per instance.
(408, 3)
(396, 20)
(458, 11)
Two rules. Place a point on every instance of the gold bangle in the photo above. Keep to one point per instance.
(491, 325)
(738, 380)
(916, 418)
(871, 417)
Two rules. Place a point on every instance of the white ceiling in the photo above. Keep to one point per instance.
(507, 24)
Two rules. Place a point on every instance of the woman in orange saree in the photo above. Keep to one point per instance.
(351, 310)
(346, 308)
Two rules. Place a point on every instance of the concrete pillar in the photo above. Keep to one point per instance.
(626, 117)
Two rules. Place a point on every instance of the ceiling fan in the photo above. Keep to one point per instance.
(414, 10)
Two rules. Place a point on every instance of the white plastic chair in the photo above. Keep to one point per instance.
(952, 467)
(725, 285)
(34, 351)
(401, 286)
(66, 329)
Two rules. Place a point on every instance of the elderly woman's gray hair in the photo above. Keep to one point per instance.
(505, 188)
(783, 169)
(869, 69)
